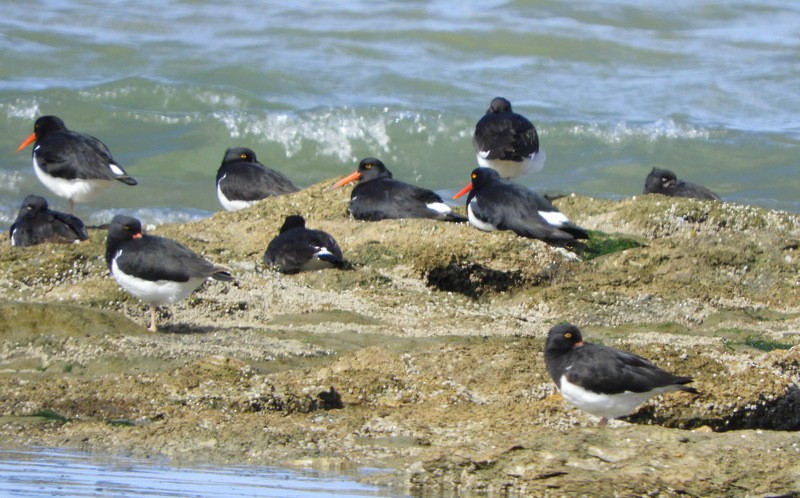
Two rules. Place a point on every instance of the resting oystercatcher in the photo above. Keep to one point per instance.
(155, 269)
(242, 180)
(36, 224)
(507, 142)
(604, 381)
(497, 204)
(71, 164)
(379, 197)
(297, 248)
(664, 181)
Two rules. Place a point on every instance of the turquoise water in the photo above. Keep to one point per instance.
(706, 88)
(47, 472)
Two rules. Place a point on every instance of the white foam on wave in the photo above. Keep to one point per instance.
(334, 132)
(27, 109)
(151, 216)
(621, 132)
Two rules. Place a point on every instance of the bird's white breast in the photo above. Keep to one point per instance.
(606, 405)
(156, 292)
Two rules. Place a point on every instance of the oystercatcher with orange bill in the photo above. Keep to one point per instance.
(497, 204)
(507, 142)
(664, 181)
(155, 269)
(601, 380)
(242, 180)
(378, 196)
(297, 248)
(72, 165)
(37, 224)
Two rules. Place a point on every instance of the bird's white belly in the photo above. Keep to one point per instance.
(606, 405)
(515, 169)
(78, 190)
(155, 292)
(228, 204)
(477, 222)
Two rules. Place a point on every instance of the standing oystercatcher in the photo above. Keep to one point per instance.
(604, 381)
(497, 204)
(507, 142)
(72, 165)
(297, 248)
(155, 269)
(36, 224)
(379, 197)
(664, 181)
(242, 180)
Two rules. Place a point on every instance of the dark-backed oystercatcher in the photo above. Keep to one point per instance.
(664, 181)
(507, 142)
(155, 269)
(71, 164)
(497, 204)
(378, 196)
(297, 248)
(36, 224)
(242, 180)
(604, 381)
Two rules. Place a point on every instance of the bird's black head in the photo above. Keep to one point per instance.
(498, 105)
(48, 124)
(371, 168)
(659, 179)
(483, 176)
(562, 338)
(124, 227)
(33, 204)
(293, 221)
(236, 154)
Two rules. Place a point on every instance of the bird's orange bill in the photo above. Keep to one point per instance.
(356, 175)
(463, 191)
(137, 235)
(27, 142)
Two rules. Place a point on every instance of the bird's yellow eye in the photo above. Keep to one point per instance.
(243, 156)
(367, 166)
(568, 335)
(474, 176)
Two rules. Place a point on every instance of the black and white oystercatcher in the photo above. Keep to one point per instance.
(604, 381)
(36, 224)
(664, 181)
(378, 196)
(242, 180)
(507, 142)
(155, 269)
(72, 165)
(497, 204)
(297, 248)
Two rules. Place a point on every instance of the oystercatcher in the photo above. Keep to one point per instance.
(36, 224)
(297, 248)
(155, 269)
(497, 204)
(664, 181)
(71, 164)
(507, 142)
(242, 180)
(378, 196)
(604, 381)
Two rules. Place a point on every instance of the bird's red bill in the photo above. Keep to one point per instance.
(463, 191)
(356, 175)
(27, 142)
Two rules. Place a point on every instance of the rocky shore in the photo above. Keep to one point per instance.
(426, 359)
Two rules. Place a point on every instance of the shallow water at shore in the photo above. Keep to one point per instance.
(52, 472)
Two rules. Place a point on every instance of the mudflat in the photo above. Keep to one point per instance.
(426, 358)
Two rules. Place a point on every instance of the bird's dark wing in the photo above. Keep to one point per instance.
(156, 258)
(612, 371)
(507, 136)
(251, 182)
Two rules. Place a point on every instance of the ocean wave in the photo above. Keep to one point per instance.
(149, 216)
(622, 132)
